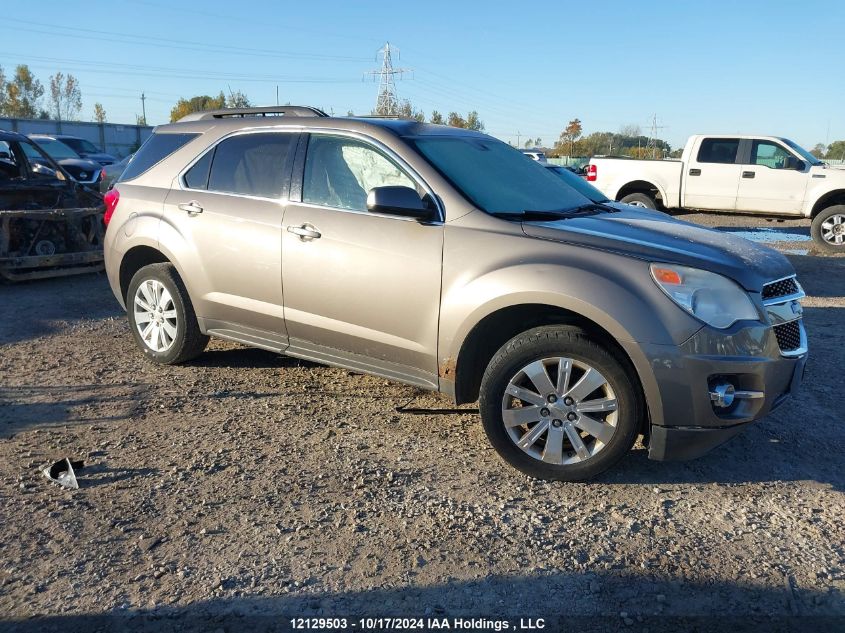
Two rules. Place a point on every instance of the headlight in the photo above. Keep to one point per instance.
(714, 299)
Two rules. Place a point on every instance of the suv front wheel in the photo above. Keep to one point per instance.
(161, 316)
(556, 405)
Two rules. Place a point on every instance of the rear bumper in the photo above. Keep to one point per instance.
(689, 424)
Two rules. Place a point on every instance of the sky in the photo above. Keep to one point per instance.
(528, 68)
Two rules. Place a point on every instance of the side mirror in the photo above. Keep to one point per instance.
(790, 162)
(394, 200)
(43, 170)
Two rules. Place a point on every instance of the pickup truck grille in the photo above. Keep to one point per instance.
(788, 335)
(780, 288)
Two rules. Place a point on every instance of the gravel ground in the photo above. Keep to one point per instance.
(247, 488)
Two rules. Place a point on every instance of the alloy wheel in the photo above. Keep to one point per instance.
(833, 230)
(155, 315)
(560, 410)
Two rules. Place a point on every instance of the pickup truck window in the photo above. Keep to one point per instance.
(718, 150)
(768, 154)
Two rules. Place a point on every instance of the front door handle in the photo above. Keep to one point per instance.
(193, 207)
(305, 232)
(694, 172)
(748, 174)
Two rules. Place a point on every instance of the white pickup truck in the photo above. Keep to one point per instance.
(767, 175)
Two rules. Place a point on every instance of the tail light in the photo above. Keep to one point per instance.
(592, 173)
(111, 199)
(103, 173)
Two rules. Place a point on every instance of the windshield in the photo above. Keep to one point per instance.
(579, 184)
(804, 153)
(81, 145)
(497, 178)
(56, 149)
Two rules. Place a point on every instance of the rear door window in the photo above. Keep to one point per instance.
(154, 150)
(251, 164)
(718, 150)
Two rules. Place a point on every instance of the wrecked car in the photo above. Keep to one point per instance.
(50, 225)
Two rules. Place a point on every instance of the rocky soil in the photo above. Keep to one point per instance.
(247, 488)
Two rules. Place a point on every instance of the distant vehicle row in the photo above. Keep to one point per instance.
(734, 173)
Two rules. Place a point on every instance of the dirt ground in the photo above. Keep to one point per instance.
(246, 488)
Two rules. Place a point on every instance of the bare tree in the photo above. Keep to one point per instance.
(65, 97)
(99, 113)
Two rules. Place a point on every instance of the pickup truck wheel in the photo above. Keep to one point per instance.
(556, 405)
(161, 316)
(642, 200)
(828, 229)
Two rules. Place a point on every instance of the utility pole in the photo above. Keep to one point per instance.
(518, 146)
(143, 108)
(387, 103)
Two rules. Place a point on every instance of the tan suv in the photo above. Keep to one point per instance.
(446, 259)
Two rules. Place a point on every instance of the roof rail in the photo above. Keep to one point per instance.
(244, 112)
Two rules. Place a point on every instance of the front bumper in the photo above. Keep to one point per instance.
(749, 357)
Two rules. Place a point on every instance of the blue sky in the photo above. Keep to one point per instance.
(528, 68)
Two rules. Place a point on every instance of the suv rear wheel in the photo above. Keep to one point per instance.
(556, 405)
(161, 316)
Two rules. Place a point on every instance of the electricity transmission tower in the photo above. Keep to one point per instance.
(387, 103)
(652, 136)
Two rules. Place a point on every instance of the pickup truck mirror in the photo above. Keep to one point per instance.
(395, 200)
(790, 162)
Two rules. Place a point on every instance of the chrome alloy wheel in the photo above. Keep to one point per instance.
(833, 230)
(559, 410)
(637, 203)
(155, 315)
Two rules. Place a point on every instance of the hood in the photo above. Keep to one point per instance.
(655, 237)
(77, 166)
(101, 158)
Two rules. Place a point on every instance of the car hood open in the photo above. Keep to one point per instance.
(656, 237)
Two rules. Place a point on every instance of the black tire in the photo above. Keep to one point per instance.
(640, 200)
(189, 341)
(818, 231)
(576, 344)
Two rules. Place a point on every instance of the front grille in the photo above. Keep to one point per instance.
(782, 288)
(788, 335)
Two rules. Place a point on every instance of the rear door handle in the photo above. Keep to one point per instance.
(748, 174)
(305, 232)
(193, 207)
(694, 172)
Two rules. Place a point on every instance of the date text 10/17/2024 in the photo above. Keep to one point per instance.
(416, 624)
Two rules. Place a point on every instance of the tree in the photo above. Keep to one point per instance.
(22, 94)
(819, 151)
(631, 129)
(237, 100)
(140, 119)
(456, 120)
(836, 150)
(571, 134)
(473, 122)
(200, 103)
(99, 113)
(529, 142)
(436, 117)
(65, 97)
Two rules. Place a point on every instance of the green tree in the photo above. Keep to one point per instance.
(819, 151)
(456, 120)
(529, 142)
(200, 103)
(436, 118)
(836, 150)
(237, 100)
(65, 97)
(99, 113)
(22, 94)
(473, 122)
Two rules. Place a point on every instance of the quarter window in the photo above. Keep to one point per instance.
(197, 176)
(154, 150)
(768, 154)
(718, 150)
(339, 172)
(251, 164)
